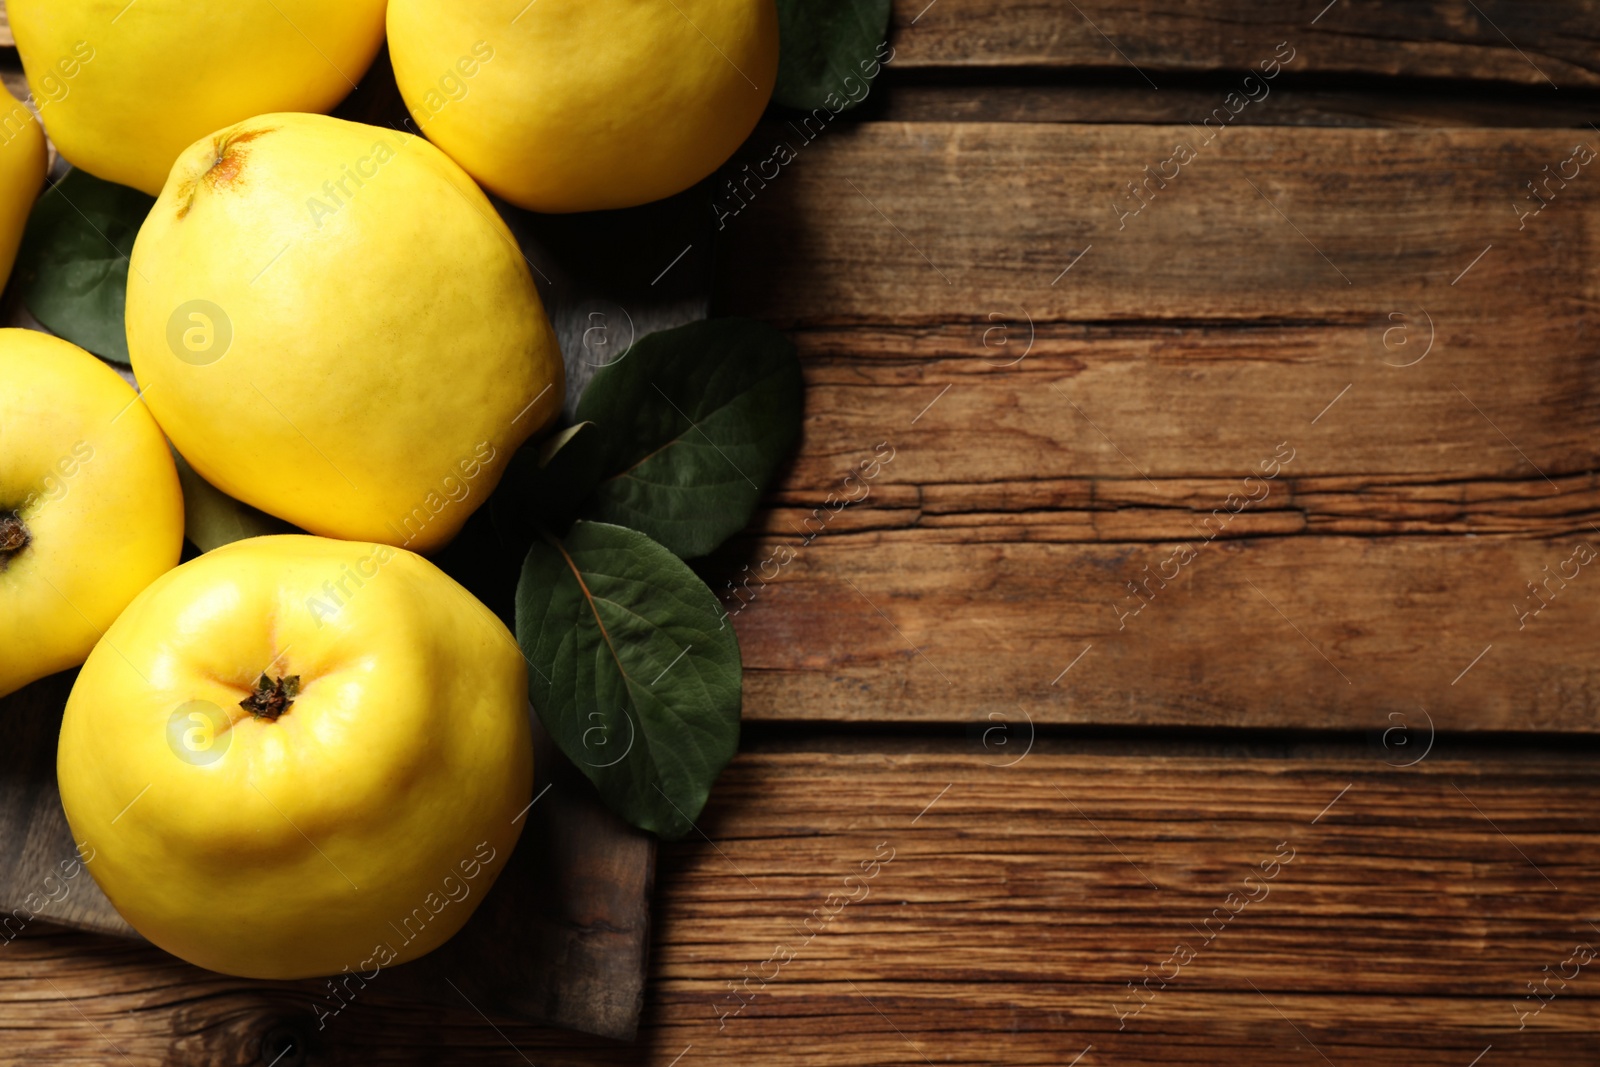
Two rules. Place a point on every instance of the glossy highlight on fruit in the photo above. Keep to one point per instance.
(578, 105)
(90, 510)
(333, 325)
(124, 87)
(294, 756)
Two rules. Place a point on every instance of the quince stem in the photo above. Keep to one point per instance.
(14, 536)
(272, 697)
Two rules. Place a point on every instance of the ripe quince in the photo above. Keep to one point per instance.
(123, 87)
(90, 508)
(294, 756)
(577, 105)
(23, 159)
(333, 325)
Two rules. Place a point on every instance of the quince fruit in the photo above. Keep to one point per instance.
(124, 87)
(90, 509)
(23, 159)
(293, 756)
(577, 105)
(333, 325)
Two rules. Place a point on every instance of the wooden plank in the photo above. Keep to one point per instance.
(1309, 632)
(949, 909)
(1338, 300)
(1302, 228)
(1499, 40)
(903, 99)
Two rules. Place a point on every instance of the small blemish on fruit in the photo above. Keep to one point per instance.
(14, 537)
(228, 160)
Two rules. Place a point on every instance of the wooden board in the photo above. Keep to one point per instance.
(904, 99)
(1359, 304)
(1542, 44)
(1019, 903)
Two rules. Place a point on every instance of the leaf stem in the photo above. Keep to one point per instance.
(589, 599)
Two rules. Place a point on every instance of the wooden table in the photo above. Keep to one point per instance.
(1177, 693)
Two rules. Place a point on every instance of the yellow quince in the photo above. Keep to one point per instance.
(124, 87)
(333, 325)
(577, 105)
(90, 509)
(294, 756)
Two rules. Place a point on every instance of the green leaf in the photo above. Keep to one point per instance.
(694, 422)
(212, 518)
(634, 671)
(823, 42)
(73, 264)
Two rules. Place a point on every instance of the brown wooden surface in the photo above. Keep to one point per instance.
(1083, 424)
(1345, 659)
(40, 881)
(1290, 103)
(1549, 44)
(1018, 904)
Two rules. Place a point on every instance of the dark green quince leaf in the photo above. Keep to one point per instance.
(72, 268)
(693, 423)
(634, 671)
(830, 51)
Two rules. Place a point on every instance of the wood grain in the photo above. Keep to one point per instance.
(1341, 300)
(1277, 229)
(903, 98)
(999, 918)
(1548, 44)
(1310, 632)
